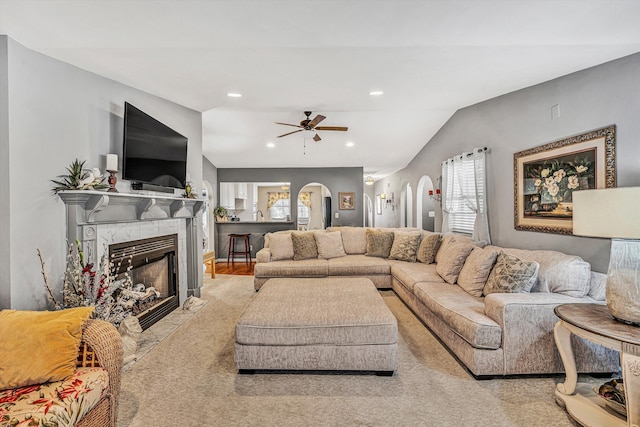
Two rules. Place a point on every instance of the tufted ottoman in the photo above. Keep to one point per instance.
(317, 324)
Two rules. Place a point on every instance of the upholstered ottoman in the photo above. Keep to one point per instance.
(317, 324)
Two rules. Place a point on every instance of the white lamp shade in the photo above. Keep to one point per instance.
(112, 162)
(609, 212)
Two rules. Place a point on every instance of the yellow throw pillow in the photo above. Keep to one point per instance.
(39, 346)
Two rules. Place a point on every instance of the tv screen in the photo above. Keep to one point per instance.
(153, 152)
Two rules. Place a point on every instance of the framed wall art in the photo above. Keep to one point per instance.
(346, 201)
(546, 176)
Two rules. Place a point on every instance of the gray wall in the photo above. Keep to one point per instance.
(5, 224)
(57, 113)
(589, 99)
(335, 179)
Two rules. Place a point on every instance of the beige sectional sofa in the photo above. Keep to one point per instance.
(492, 331)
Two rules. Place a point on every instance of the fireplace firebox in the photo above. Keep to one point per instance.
(154, 272)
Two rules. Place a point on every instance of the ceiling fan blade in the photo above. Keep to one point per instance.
(340, 128)
(287, 124)
(317, 138)
(295, 131)
(316, 120)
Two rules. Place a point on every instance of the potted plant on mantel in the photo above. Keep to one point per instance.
(221, 213)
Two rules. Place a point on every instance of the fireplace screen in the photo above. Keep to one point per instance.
(152, 265)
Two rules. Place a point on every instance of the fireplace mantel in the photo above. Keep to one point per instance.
(94, 207)
(95, 217)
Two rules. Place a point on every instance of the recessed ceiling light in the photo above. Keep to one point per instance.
(270, 144)
(234, 95)
(376, 93)
(350, 144)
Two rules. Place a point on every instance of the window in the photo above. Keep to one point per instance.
(280, 210)
(464, 208)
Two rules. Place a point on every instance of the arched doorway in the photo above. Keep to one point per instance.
(367, 211)
(425, 207)
(314, 207)
(208, 225)
(406, 206)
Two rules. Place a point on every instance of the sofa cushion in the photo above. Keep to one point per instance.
(358, 265)
(510, 274)
(410, 273)
(452, 258)
(329, 244)
(476, 270)
(39, 346)
(463, 313)
(428, 247)
(304, 245)
(447, 239)
(290, 268)
(267, 237)
(281, 246)
(559, 272)
(354, 239)
(405, 246)
(379, 243)
(57, 403)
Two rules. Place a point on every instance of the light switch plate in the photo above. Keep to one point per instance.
(432, 214)
(337, 215)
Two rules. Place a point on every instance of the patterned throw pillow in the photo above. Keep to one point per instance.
(329, 245)
(281, 246)
(452, 258)
(511, 275)
(379, 243)
(405, 246)
(304, 245)
(428, 248)
(476, 270)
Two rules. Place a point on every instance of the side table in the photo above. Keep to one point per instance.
(594, 323)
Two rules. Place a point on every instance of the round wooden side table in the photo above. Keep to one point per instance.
(594, 323)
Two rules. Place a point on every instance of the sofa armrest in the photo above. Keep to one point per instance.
(105, 341)
(263, 255)
(527, 321)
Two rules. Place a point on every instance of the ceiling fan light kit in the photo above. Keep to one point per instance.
(309, 124)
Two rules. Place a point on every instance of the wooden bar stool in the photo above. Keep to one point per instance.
(244, 239)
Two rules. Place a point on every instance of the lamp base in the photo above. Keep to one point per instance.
(623, 281)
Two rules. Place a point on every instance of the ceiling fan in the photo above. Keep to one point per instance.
(311, 125)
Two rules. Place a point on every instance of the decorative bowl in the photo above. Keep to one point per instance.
(612, 392)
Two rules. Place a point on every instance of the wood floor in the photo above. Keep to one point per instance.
(239, 268)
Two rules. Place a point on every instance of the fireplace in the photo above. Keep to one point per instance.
(154, 272)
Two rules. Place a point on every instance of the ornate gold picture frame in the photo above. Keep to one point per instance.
(546, 176)
(346, 201)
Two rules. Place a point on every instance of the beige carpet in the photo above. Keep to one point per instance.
(188, 379)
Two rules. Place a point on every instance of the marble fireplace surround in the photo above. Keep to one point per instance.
(98, 219)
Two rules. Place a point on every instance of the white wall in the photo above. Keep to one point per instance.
(5, 184)
(57, 113)
(589, 99)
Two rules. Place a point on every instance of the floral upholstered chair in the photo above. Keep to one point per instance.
(87, 398)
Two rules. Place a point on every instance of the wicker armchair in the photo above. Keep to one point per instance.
(101, 346)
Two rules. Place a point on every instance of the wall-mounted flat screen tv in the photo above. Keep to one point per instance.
(153, 152)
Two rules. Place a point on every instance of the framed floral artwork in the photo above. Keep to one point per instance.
(346, 201)
(546, 176)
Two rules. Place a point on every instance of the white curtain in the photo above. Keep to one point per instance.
(464, 204)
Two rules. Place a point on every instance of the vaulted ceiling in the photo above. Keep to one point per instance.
(430, 58)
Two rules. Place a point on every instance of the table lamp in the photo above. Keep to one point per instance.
(615, 213)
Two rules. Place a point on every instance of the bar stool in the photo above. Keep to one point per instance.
(244, 238)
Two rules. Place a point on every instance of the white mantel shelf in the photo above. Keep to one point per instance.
(93, 207)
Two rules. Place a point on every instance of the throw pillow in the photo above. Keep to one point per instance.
(428, 248)
(354, 239)
(281, 246)
(405, 246)
(511, 274)
(476, 269)
(39, 346)
(329, 245)
(452, 259)
(379, 243)
(304, 245)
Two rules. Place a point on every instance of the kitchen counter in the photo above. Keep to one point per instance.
(257, 229)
